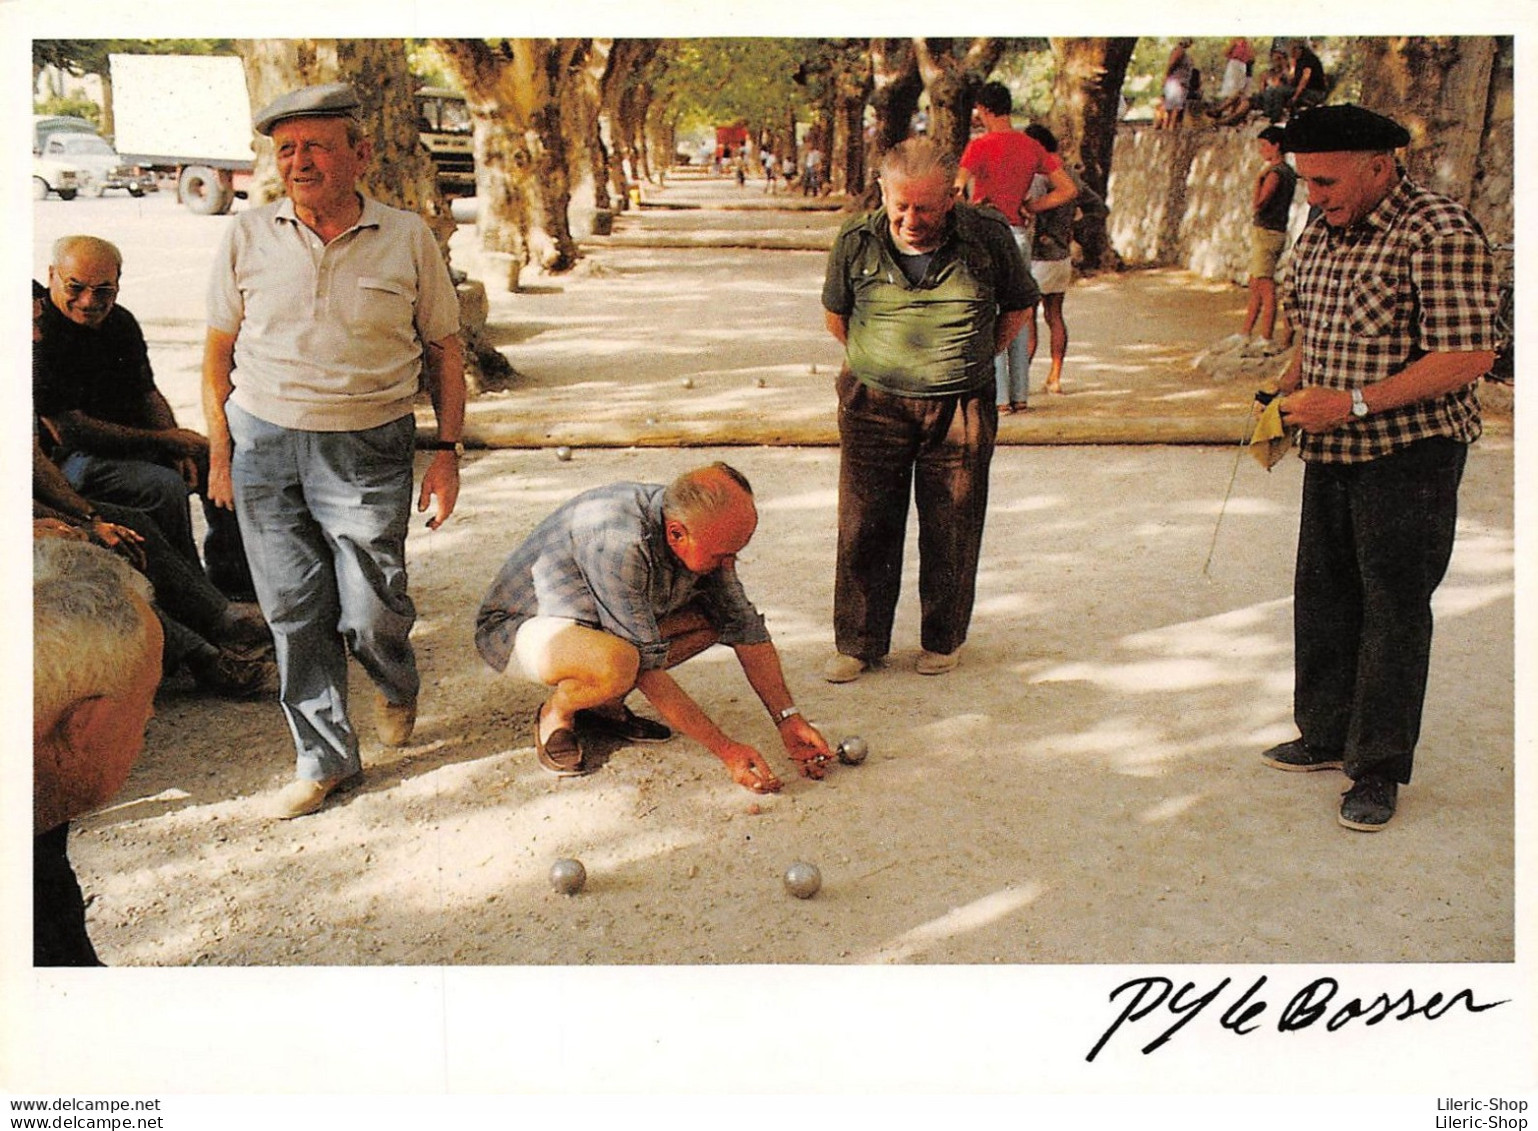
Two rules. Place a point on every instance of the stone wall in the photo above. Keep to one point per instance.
(1181, 198)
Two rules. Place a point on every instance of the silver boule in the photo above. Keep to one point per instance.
(852, 750)
(563, 453)
(568, 876)
(688, 382)
(802, 879)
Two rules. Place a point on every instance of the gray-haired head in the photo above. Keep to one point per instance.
(708, 490)
(89, 626)
(916, 158)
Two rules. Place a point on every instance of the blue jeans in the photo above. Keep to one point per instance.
(161, 493)
(1374, 543)
(150, 487)
(323, 516)
(1012, 368)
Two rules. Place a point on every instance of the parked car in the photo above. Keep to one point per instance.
(97, 165)
(50, 176)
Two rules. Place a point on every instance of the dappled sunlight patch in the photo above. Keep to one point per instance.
(1170, 809)
(969, 918)
(1453, 599)
(1012, 604)
(826, 500)
(1151, 676)
(1482, 549)
(1237, 506)
(1028, 504)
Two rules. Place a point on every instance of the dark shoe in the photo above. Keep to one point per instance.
(1369, 804)
(561, 753)
(242, 626)
(1297, 755)
(630, 726)
(217, 671)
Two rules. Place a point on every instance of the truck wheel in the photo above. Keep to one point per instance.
(135, 191)
(67, 193)
(39, 189)
(202, 191)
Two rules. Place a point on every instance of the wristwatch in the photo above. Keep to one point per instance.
(1358, 404)
(788, 713)
(455, 446)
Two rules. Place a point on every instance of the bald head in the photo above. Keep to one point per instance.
(709, 516)
(83, 279)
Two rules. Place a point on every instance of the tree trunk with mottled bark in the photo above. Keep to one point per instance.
(1086, 97)
(895, 90)
(851, 85)
(1438, 87)
(952, 71)
(401, 173)
(514, 89)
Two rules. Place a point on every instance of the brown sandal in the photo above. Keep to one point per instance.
(561, 753)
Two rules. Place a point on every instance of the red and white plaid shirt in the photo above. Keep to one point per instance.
(1412, 277)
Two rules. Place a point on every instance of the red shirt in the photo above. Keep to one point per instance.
(1002, 163)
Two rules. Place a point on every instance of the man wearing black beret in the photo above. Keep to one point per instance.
(1393, 293)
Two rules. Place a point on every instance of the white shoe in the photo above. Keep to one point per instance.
(301, 797)
(937, 663)
(1257, 347)
(1232, 342)
(844, 669)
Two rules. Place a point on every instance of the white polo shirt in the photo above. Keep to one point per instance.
(330, 337)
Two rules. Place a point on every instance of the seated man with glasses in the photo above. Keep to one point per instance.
(616, 587)
(104, 422)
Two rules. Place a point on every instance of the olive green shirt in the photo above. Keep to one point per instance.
(934, 338)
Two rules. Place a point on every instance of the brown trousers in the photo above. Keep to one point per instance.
(938, 449)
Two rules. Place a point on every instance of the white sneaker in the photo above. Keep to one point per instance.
(937, 663)
(844, 669)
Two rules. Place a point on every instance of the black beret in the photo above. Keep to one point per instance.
(330, 100)
(1343, 129)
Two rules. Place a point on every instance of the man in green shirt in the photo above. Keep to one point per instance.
(924, 294)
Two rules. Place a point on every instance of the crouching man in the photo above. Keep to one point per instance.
(616, 587)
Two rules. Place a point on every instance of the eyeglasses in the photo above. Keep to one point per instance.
(75, 289)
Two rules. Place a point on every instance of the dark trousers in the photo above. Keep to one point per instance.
(938, 449)
(1373, 545)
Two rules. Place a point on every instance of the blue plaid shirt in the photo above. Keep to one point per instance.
(602, 560)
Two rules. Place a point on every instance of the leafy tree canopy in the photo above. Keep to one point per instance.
(710, 82)
(89, 56)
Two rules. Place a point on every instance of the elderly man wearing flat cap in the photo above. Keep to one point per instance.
(325, 311)
(1393, 293)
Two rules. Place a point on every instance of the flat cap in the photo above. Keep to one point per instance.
(329, 100)
(1343, 129)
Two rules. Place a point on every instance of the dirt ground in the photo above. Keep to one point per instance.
(1084, 789)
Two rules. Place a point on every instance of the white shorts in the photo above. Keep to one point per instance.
(1052, 275)
(530, 643)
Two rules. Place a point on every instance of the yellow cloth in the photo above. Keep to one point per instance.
(1271, 438)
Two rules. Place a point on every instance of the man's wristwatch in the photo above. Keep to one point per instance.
(1358, 404)
(788, 713)
(455, 446)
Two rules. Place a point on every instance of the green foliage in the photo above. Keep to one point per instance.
(89, 56)
(1029, 70)
(711, 82)
(74, 107)
(1145, 73)
(427, 65)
